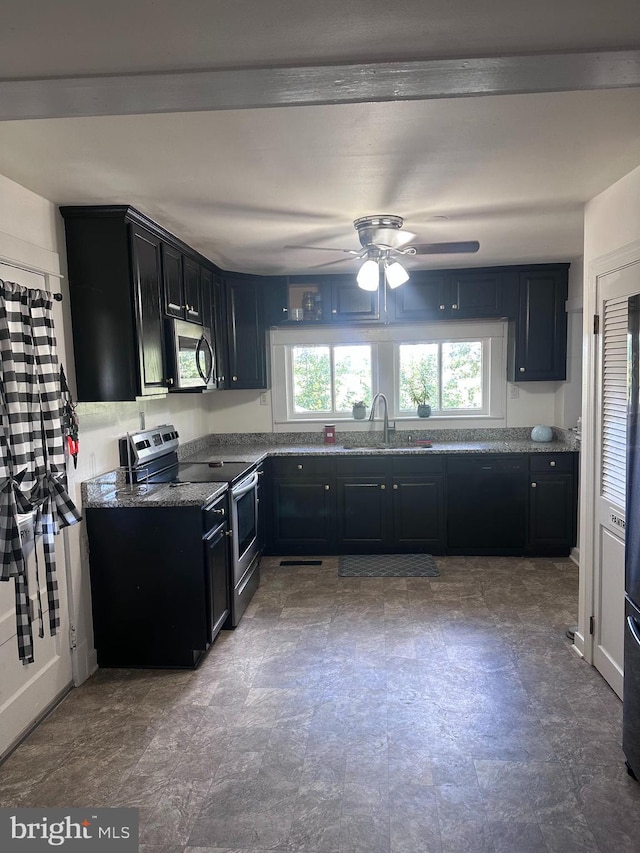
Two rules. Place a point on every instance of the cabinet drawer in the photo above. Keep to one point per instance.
(414, 466)
(303, 466)
(374, 466)
(551, 462)
(215, 514)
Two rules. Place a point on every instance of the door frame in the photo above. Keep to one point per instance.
(610, 262)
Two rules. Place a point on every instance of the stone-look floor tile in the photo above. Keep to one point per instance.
(358, 714)
(171, 820)
(509, 836)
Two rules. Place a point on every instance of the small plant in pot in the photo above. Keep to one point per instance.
(359, 410)
(420, 398)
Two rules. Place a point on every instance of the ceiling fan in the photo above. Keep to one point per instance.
(383, 240)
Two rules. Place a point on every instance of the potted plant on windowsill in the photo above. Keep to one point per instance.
(420, 398)
(359, 410)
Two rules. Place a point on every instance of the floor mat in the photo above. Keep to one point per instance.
(387, 566)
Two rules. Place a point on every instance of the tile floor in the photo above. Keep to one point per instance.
(358, 715)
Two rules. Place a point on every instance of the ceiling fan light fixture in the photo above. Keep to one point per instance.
(368, 275)
(395, 274)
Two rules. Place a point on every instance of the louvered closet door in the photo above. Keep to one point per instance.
(613, 292)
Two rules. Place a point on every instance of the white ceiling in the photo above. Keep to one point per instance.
(512, 171)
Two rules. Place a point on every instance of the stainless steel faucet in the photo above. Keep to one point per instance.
(385, 421)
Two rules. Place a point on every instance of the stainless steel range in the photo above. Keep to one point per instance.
(150, 456)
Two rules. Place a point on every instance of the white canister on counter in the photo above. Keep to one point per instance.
(540, 432)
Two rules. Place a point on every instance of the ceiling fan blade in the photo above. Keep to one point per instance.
(331, 263)
(452, 248)
(324, 249)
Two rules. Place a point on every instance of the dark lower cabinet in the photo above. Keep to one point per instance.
(303, 513)
(364, 522)
(159, 584)
(508, 504)
(553, 487)
(217, 564)
(418, 514)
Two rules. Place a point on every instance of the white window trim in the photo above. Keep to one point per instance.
(384, 340)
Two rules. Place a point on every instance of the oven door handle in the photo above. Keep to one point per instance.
(245, 486)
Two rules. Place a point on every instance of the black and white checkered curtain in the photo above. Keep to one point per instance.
(32, 462)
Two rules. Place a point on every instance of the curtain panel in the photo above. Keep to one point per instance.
(32, 460)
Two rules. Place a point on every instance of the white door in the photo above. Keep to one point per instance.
(27, 691)
(610, 465)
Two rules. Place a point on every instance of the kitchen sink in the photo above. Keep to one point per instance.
(382, 446)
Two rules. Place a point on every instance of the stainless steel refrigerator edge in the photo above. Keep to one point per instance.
(631, 694)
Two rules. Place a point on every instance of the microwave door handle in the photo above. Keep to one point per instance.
(205, 377)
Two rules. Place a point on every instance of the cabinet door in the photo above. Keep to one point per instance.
(538, 351)
(247, 340)
(418, 514)
(363, 514)
(423, 297)
(220, 334)
(217, 563)
(172, 281)
(192, 291)
(146, 279)
(349, 303)
(303, 516)
(475, 295)
(552, 512)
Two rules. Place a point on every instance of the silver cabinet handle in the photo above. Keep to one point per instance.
(218, 511)
(395, 486)
(552, 464)
(442, 307)
(454, 307)
(522, 370)
(383, 487)
(334, 310)
(299, 467)
(235, 378)
(534, 485)
(229, 533)
(326, 488)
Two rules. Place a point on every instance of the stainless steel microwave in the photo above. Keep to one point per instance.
(191, 356)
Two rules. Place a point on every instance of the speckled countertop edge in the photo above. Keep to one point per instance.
(111, 491)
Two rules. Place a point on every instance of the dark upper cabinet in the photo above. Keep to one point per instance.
(423, 297)
(115, 293)
(538, 334)
(444, 295)
(473, 295)
(192, 291)
(181, 277)
(219, 332)
(145, 252)
(172, 280)
(247, 346)
(349, 303)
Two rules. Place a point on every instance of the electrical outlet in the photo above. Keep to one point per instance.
(514, 392)
(264, 399)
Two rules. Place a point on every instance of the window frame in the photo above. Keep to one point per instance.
(484, 411)
(385, 340)
(334, 414)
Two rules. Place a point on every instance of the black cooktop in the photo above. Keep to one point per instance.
(167, 469)
(209, 472)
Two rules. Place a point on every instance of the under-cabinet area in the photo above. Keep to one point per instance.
(509, 504)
